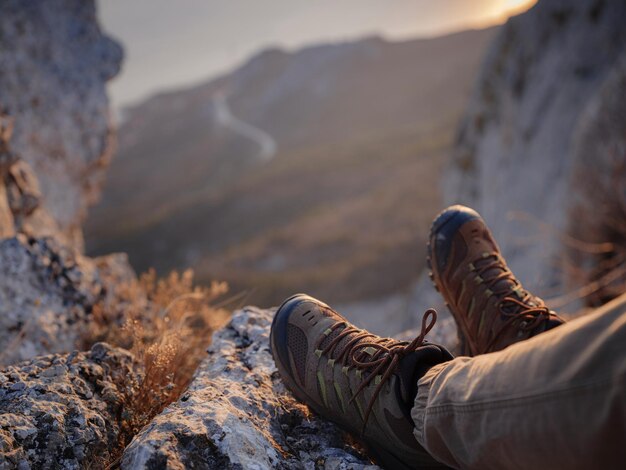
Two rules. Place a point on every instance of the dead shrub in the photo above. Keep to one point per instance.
(167, 324)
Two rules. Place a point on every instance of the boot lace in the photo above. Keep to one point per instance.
(372, 354)
(516, 303)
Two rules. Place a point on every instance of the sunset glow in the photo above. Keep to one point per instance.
(209, 37)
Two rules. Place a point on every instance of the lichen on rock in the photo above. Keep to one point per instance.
(238, 414)
(64, 411)
(47, 293)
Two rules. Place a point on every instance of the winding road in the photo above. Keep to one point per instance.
(267, 144)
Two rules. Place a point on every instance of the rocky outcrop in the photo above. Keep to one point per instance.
(238, 414)
(55, 62)
(514, 156)
(64, 411)
(47, 294)
(55, 142)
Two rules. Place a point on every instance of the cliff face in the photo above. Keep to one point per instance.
(54, 63)
(515, 159)
(55, 141)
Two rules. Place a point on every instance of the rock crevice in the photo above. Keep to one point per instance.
(237, 414)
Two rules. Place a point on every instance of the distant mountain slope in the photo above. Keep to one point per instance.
(315, 169)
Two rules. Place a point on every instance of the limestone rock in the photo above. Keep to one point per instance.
(59, 61)
(47, 289)
(513, 158)
(7, 223)
(238, 414)
(19, 191)
(63, 411)
(7, 157)
(23, 189)
(47, 294)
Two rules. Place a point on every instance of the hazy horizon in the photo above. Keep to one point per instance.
(163, 41)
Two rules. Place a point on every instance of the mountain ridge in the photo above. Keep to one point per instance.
(344, 119)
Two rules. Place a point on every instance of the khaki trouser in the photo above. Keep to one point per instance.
(556, 401)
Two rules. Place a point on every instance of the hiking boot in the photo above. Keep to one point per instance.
(491, 308)
(363, 383)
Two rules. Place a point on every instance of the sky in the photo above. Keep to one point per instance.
(171, 44)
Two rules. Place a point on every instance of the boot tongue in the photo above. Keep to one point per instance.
(413, 367)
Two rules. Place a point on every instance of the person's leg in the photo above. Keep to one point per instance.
(554, 401)
(557, 400)
(546, 397)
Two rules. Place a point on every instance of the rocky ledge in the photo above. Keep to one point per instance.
(238, 414)
(47, 294)
(64, 411)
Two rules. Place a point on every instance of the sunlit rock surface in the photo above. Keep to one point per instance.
(55, 142)
(54, 63)
(63, 411)
(238, 414)
(47, 294)
(514, 155)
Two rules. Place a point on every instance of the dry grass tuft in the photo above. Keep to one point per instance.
(171, 341)
(599, 220)
(167, 324)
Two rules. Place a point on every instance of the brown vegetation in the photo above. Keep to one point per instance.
(599, 214)
(167, 324)
(599, 220)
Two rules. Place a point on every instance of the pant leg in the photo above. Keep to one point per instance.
(555, 401)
